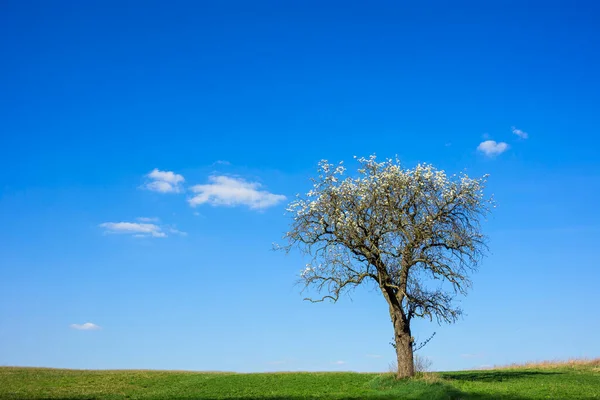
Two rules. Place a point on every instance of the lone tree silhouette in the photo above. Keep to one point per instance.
(414, 233)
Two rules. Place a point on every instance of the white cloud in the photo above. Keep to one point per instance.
(339, 362)
(164, 181)
(88, 326)
(133, 228)
(166, 176)
(492, 148)
(148, 219)
(520, 133)
(229, 191)
(176, 231)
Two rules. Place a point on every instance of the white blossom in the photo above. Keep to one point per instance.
(346, 222)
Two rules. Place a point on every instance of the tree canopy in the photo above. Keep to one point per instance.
(414, 233)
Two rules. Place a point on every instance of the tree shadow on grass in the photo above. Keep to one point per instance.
(494, 376)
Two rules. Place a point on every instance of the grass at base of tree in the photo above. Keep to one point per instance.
(557, 381)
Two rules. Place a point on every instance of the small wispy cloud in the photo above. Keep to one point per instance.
(492, 148)
(339, 362)
(221, 162)
(164, 182)
(520, 133)
(176, 231)
(88, 326)
(133, 228)
(229, 191)
(148, 219)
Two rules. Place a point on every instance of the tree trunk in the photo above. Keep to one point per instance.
(404, 343)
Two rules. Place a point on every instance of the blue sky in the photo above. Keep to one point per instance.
(191, 121)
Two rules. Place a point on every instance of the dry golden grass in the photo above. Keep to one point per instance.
(573, 362)
(428, 377)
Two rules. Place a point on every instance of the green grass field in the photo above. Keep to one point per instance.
(542, 381)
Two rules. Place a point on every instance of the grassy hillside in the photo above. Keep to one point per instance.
(539, 381)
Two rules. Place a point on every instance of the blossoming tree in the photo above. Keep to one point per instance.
(414, 233)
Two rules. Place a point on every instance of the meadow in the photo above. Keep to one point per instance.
(569, 380)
